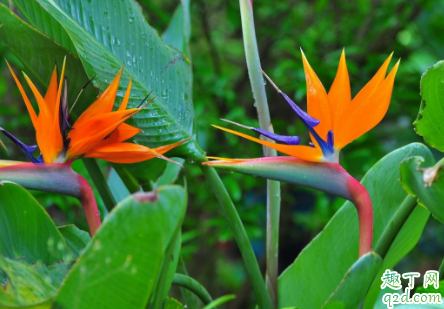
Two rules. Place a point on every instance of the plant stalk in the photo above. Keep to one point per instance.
(56, 178)
(395, 225)
(273, 187)
(324, 176)
(238, 229)
(193, 286)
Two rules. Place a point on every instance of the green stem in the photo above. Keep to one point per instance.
(193, 286)
(190, 298)
(238, 229)
(395, 225)
(100, 183)
(273, 187)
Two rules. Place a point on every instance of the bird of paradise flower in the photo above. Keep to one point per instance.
(333, 120)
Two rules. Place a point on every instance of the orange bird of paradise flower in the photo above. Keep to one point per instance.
(334, 119)
(99, 132)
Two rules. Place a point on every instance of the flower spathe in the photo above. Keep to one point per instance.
(99, 132)
(333, 119)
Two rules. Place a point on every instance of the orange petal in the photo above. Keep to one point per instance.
(368, 113)
(105, 102)
(317, 101)
(128, 152)
(302, 152)
(124, 103)
(339, 96)
(31, 110)
(51, 92)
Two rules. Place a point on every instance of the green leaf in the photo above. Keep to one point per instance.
(117, 187)
(425, 183)
(178, 32)
(170, 174)
(40, 19)
(121, 265)
(110, 33)
(171, 303)
(429, 122)
(38, 53)
(26, 230)
(321, 266)
(24, 285)
(220, 301)
(75, 239)
(357, 281)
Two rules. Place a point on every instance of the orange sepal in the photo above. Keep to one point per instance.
(51, 92)
(93, 131)
(339, 96)
(48, 135)
(121, 134)
(129, 152)
(363, 117)
(105, 102)
(302, 152)
(28, 104)
(317, 100)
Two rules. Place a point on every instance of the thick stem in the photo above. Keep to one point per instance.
(100, 183)
(56, 178)
(238, 229)
(325, 176)
(193, 286)
(273, 187)
(395, 225)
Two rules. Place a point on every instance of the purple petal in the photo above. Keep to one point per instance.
(27, 150)
(306, 118)
(288, 140)
(63, 112)
(330, 139)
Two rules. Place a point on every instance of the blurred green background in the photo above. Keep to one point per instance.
(368, 30)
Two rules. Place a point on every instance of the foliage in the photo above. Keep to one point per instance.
(190, 57)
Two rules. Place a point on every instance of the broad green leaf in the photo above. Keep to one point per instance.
(43, 21)
(24, 285)
(320, 267)
(26, 230)
(110, 33)
(123, 261)
(75, 239)
(38, 53)
(357, 281)
(426, 183)
(404, 242)
(429, 123)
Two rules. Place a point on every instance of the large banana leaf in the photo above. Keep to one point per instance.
(110, 33)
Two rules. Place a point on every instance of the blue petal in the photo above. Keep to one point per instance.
(27, 150)
(288, 140)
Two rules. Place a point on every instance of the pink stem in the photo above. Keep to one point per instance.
(89, 205)
(56, 178)
(363, 203)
